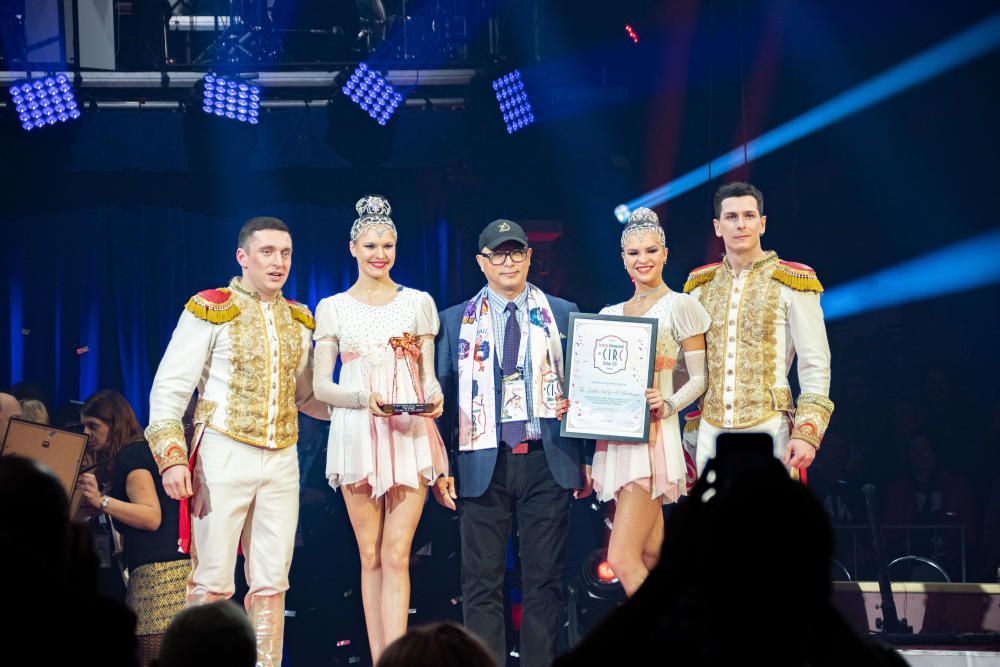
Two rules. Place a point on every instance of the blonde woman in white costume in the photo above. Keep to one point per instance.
(384, 335)
(640, 476)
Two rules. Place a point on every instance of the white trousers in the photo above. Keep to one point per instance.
(248, 496)
(776, 427)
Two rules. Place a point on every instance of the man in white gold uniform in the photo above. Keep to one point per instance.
(246, 349)
(764, 312)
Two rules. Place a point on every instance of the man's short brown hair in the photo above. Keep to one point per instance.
(738, 189)
(257, 224)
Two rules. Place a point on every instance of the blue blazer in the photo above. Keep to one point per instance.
(474, 470)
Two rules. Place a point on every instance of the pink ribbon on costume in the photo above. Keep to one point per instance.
(408, 347)
(663, 363)
(407, 344)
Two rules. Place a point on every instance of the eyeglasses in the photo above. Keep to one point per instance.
(498, 258)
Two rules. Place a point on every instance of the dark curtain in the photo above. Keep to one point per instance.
(93, 295)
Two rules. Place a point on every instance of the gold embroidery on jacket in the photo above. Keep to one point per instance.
(204, 410)
(166, 441)
(289, 356)
(251, 388)
(714, 297)
(755, 345)
(246, 401)
(812, 416)
(782, 399)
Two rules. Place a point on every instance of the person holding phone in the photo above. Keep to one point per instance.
(142, 513)
(384, 336)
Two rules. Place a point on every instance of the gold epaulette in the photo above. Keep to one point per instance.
(217, 306)
(797, 276)
(302, 314)
(700, 276)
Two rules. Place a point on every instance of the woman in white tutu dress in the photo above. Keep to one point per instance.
(641, 477)
(384, 335)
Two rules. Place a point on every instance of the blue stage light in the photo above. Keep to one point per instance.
(958, 50)
(41, 102)
(512, 98)
(963, 266)
(229, 98)
(372, 93)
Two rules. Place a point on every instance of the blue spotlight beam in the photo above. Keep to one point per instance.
(963, 266)
(958, 50)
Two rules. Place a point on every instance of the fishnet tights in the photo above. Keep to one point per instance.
(384, 528)
(149, 649)
(636, 536)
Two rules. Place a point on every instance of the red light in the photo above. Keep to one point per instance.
(605, 573)
(631, 33)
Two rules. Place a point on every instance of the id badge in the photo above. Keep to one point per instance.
(515, 399)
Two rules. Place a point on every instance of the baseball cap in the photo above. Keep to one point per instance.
(500, 231)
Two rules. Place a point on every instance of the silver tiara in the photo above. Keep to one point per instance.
(643, 220)
(373, 211)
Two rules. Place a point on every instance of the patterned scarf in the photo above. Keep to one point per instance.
(477, 412)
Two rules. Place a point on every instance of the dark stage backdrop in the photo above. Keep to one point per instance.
(107, 231)
(94, 296)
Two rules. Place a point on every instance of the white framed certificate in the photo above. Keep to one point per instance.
(608, 369)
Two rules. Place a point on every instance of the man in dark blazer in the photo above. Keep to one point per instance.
(531, 472)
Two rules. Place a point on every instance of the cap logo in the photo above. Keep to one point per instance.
(503, 227)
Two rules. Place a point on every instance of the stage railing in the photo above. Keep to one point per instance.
(945, 544)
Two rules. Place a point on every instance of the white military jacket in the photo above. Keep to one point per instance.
(761, 319)
(247, 358)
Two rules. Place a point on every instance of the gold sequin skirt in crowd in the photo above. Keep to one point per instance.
(156, 593)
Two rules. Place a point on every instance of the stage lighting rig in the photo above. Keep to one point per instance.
(361, 116)
(44, 101)
(372, 93)
(594, 594)
(230, 97)
(221, 121)
(513, 101)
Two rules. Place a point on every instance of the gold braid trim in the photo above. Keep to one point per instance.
(700, 276)
(812, 417)
(799, 280)
(166, 440)
(691, 422)
(301, 314)
(216, 313)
